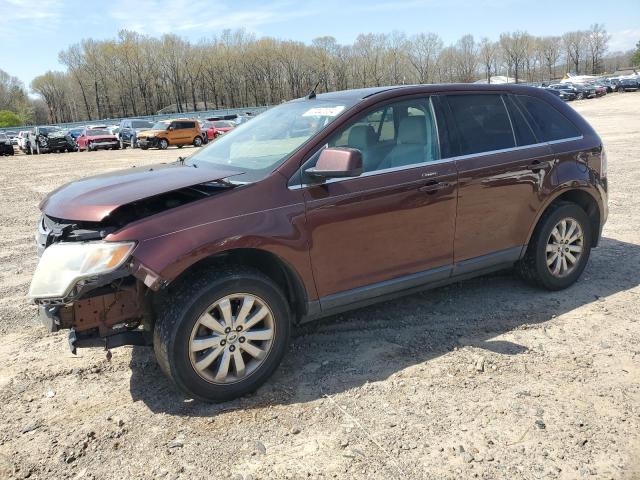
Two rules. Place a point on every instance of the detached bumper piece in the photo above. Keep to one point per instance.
(108, 318)
(140, 338)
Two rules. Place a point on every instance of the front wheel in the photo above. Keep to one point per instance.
(122, 145)
(222, 334)
(163, 144)
(559, 247)
(197, 142)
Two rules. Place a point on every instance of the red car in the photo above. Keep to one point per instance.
(600, 90)
(215, 128)
(94, 139)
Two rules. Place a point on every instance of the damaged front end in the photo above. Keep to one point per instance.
(85, 284)
(91, 284)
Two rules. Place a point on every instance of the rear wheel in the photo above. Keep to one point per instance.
(559, 248)
(222, 334)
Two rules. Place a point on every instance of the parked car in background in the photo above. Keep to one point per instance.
(216, 128)
(22, 139)
(567, 91)
(601, 90)
(317, 206)
(6, 148)
(627, 85)
(129, 129)
(75, 132)
(49, 139)
(93, 139)
(606, 82)
(565, 95)
(12, 136)
(179, 132)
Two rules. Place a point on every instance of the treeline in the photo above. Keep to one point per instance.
(136, 74)
(16, 108)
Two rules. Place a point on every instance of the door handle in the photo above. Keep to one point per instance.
(433, 186)
(537, 165)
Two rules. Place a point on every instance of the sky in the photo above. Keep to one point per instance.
(33, 32)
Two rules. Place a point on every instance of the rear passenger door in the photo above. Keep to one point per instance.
(502, 168)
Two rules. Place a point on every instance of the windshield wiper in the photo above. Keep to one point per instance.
(224, 182)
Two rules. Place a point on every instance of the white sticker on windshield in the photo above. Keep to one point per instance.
(323, 111)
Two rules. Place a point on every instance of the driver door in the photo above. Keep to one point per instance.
(392, 227)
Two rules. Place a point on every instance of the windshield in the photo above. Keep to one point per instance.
(141, 124)
(47, 130)
(258, 147)
(160, 126)
(97, 133)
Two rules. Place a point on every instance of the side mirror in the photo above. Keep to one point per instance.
(170, 129)
(336, 163)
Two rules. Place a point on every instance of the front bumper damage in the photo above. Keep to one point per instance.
(148, 142)
(113, 315)
(111, 309)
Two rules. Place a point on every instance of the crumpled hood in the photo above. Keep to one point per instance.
(56, 134)
(148, 133)
(94, 198)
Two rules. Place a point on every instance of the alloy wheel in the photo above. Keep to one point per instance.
(232, 338)
(564, 247)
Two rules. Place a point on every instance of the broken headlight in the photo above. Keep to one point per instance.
(62, 265)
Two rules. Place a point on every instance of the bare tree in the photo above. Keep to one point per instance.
(423, 52)
(514, 47)
(489, 52)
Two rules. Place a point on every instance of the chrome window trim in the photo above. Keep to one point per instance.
(513, 131)
(434, 162)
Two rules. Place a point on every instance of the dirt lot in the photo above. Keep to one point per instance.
(483, 379)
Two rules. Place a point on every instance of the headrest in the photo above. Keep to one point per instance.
(361, 136)
(412, 130)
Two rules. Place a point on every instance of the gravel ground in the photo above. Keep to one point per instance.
(486, 378)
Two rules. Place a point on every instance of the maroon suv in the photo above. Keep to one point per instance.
(319, 205)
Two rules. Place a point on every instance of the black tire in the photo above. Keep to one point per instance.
(179, 146)
(122, 145)
(197, 142)
(533, 267)
(181, 310)
(144, 148)
(28, 149)
(163, 144)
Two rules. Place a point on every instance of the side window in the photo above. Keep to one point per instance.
(482, 121)
(549, 123)
(396, 135)
(521, 128)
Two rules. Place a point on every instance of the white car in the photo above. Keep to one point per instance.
(22, 139)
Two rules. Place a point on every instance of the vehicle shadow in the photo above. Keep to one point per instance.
(370, 344)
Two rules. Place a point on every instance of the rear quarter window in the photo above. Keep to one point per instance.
(548, 122)
(483, 123)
